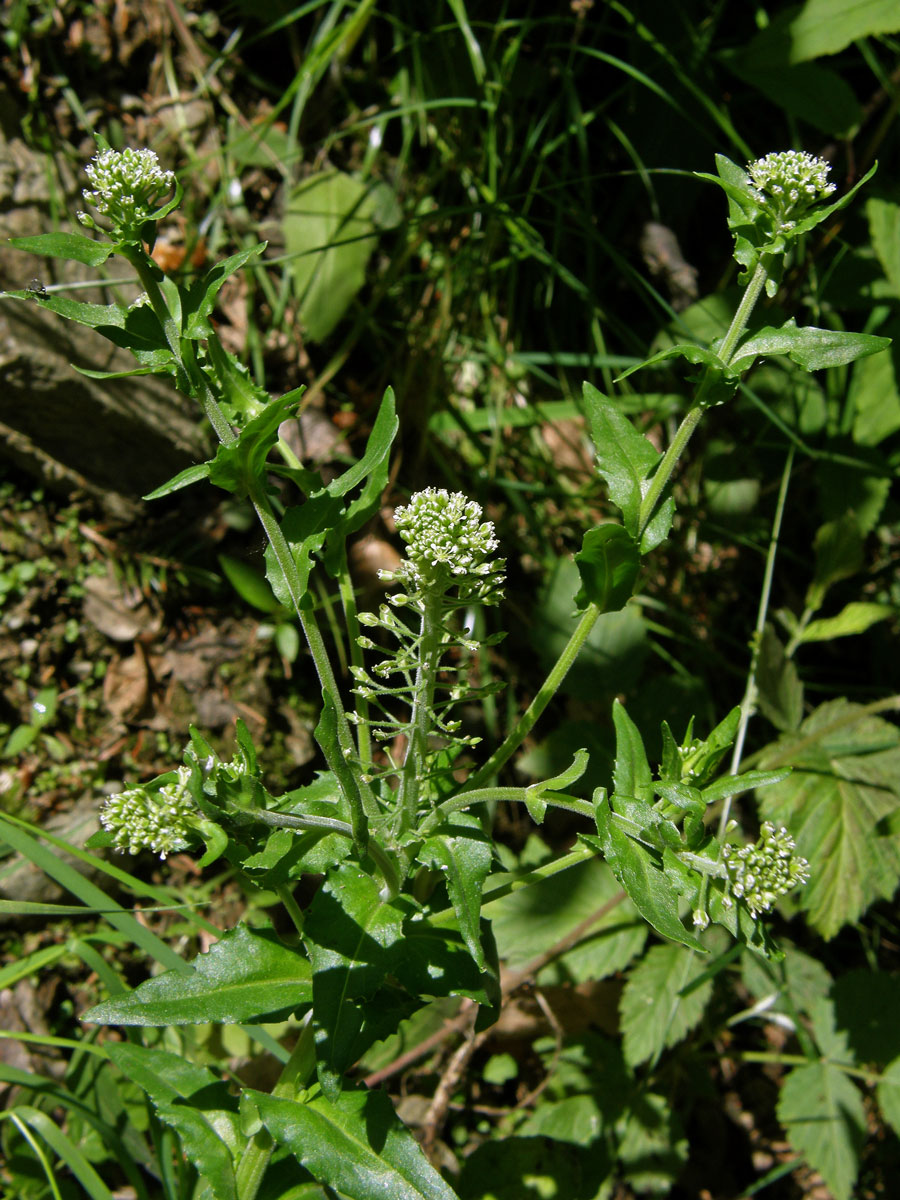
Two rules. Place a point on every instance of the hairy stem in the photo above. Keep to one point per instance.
(412, 774)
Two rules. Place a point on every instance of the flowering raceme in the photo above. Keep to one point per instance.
(760, 873)
(789, 182)
(127, 185)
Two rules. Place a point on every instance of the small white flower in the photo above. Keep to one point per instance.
(447, 542)
(789, 182)
(127, 186)
(141, 820)
(768, 869)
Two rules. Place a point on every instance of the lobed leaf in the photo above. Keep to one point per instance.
(823, 1116)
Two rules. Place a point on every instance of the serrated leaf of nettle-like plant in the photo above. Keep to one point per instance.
(825, 1121)
(199, 300)
(640, 872)
(810, 348)
(837, 804)
(349, 930)
(608, 562)
(662, 1001)
(631, 773)
(239, 463)
(355, 1144)
(249, 975)
(73, 246)
(779, 690)
(194, 1102)
(462, 854)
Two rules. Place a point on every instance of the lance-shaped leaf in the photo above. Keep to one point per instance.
(250, 975)
(355, 1144)
(810, 348)
(239, 463)
(434, 961)
(462, 853)
(698, 355)
(855, 617)
(608, 562)
(535, 793)
(349, 930)
(194, 1102)
(134, 329)
(305, 528)
(640, 872)
(840, 805)
(73, 246)
(631, 774)
(200, 298)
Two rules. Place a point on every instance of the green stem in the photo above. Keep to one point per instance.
(583, 854)
(357, 658)
(692, 418)
(297, 1072)
(492, 795)
(292, 908)
(360, 797)
(548, 690)
(412, 774)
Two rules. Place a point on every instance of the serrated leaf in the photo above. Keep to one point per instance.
(354, 1144)
(884, 233)
(532, 920)
(631, 775)
(855, 617)
(779, 690)
(641, 874)
(810, 348)
(823, 1116)
(200, 299)
(73, 246)
(576, 1119)
(348, 931)
(239, 463)
(652, 1147)
(888, 1093)
(463, 855)
(659, 1007)
(194, 1102)
(249, 975)
(837, 804)
(608, 562)
(625, 458)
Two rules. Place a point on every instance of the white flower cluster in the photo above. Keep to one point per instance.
(768, 869)
(127, 185)
(792, 179)
(446, 542)
(144, 820)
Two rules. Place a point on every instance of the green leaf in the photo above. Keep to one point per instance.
(64, 1149)
(240, 463)
(354, 1144)
(329, 232)
(250, 975)
(659, 1007)
(432, 961)
(625, 459)
(463, 855)
(823, 1116)
(698, 355)
(200, 299)
(348, 932)
(874, 396)
(305, 529)
(528, 1168)
(74, 246)
(888, 1093)
(839, 554)
(377, 446)
(779, 690)
(183, 479)
(810, 348)
(251, 585)
(826, 26)
(837, 804)
(533, 919)
(884, 234)
(866, 1004)
(640, 873)
(733, 785)
(608, 562)
(631, 775)
(855, 617)
(194, 1102)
